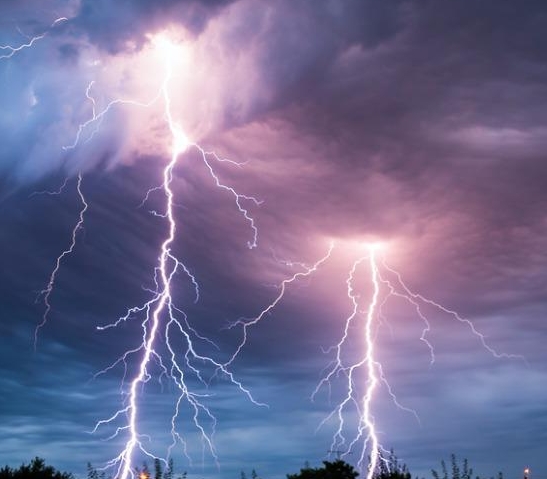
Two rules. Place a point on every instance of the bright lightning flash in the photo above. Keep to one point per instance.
(161, 319)
(362, 376)
(366, 428)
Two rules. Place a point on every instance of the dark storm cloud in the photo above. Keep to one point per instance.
(292, 44)
(423, 113)
(406, 101)
(123, 25)
(114, 25)
(29, 16)
(417, 122)
(449, 124)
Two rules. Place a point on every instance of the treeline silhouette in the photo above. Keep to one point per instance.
(36, 469)
(388, 468)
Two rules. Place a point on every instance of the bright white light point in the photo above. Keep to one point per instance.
(174, 53)
(175, 57)
(376, 246)
(164, 46)
(180, 140)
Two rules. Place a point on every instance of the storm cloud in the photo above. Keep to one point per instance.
(419, 124)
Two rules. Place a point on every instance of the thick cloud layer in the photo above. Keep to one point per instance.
(417, 124)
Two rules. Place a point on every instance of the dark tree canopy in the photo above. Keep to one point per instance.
(331, 470)
(36, 469)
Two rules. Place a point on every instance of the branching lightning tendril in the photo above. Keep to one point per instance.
(11, 50)
(247, 323)
(46, 292)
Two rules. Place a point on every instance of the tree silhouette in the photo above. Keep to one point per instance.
(457, 471)
(36, 469)
(331, 470)
(254, 475)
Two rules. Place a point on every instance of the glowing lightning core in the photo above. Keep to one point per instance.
(367, 421)
(168, 265)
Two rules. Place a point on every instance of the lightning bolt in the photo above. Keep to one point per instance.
(363, 376)
(48, 290)
(12, 50)
(161, 318)
(367, 421)
(366, 425)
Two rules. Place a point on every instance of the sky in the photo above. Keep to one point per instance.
(416, 126)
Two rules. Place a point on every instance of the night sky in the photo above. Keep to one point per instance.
(418, 125)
